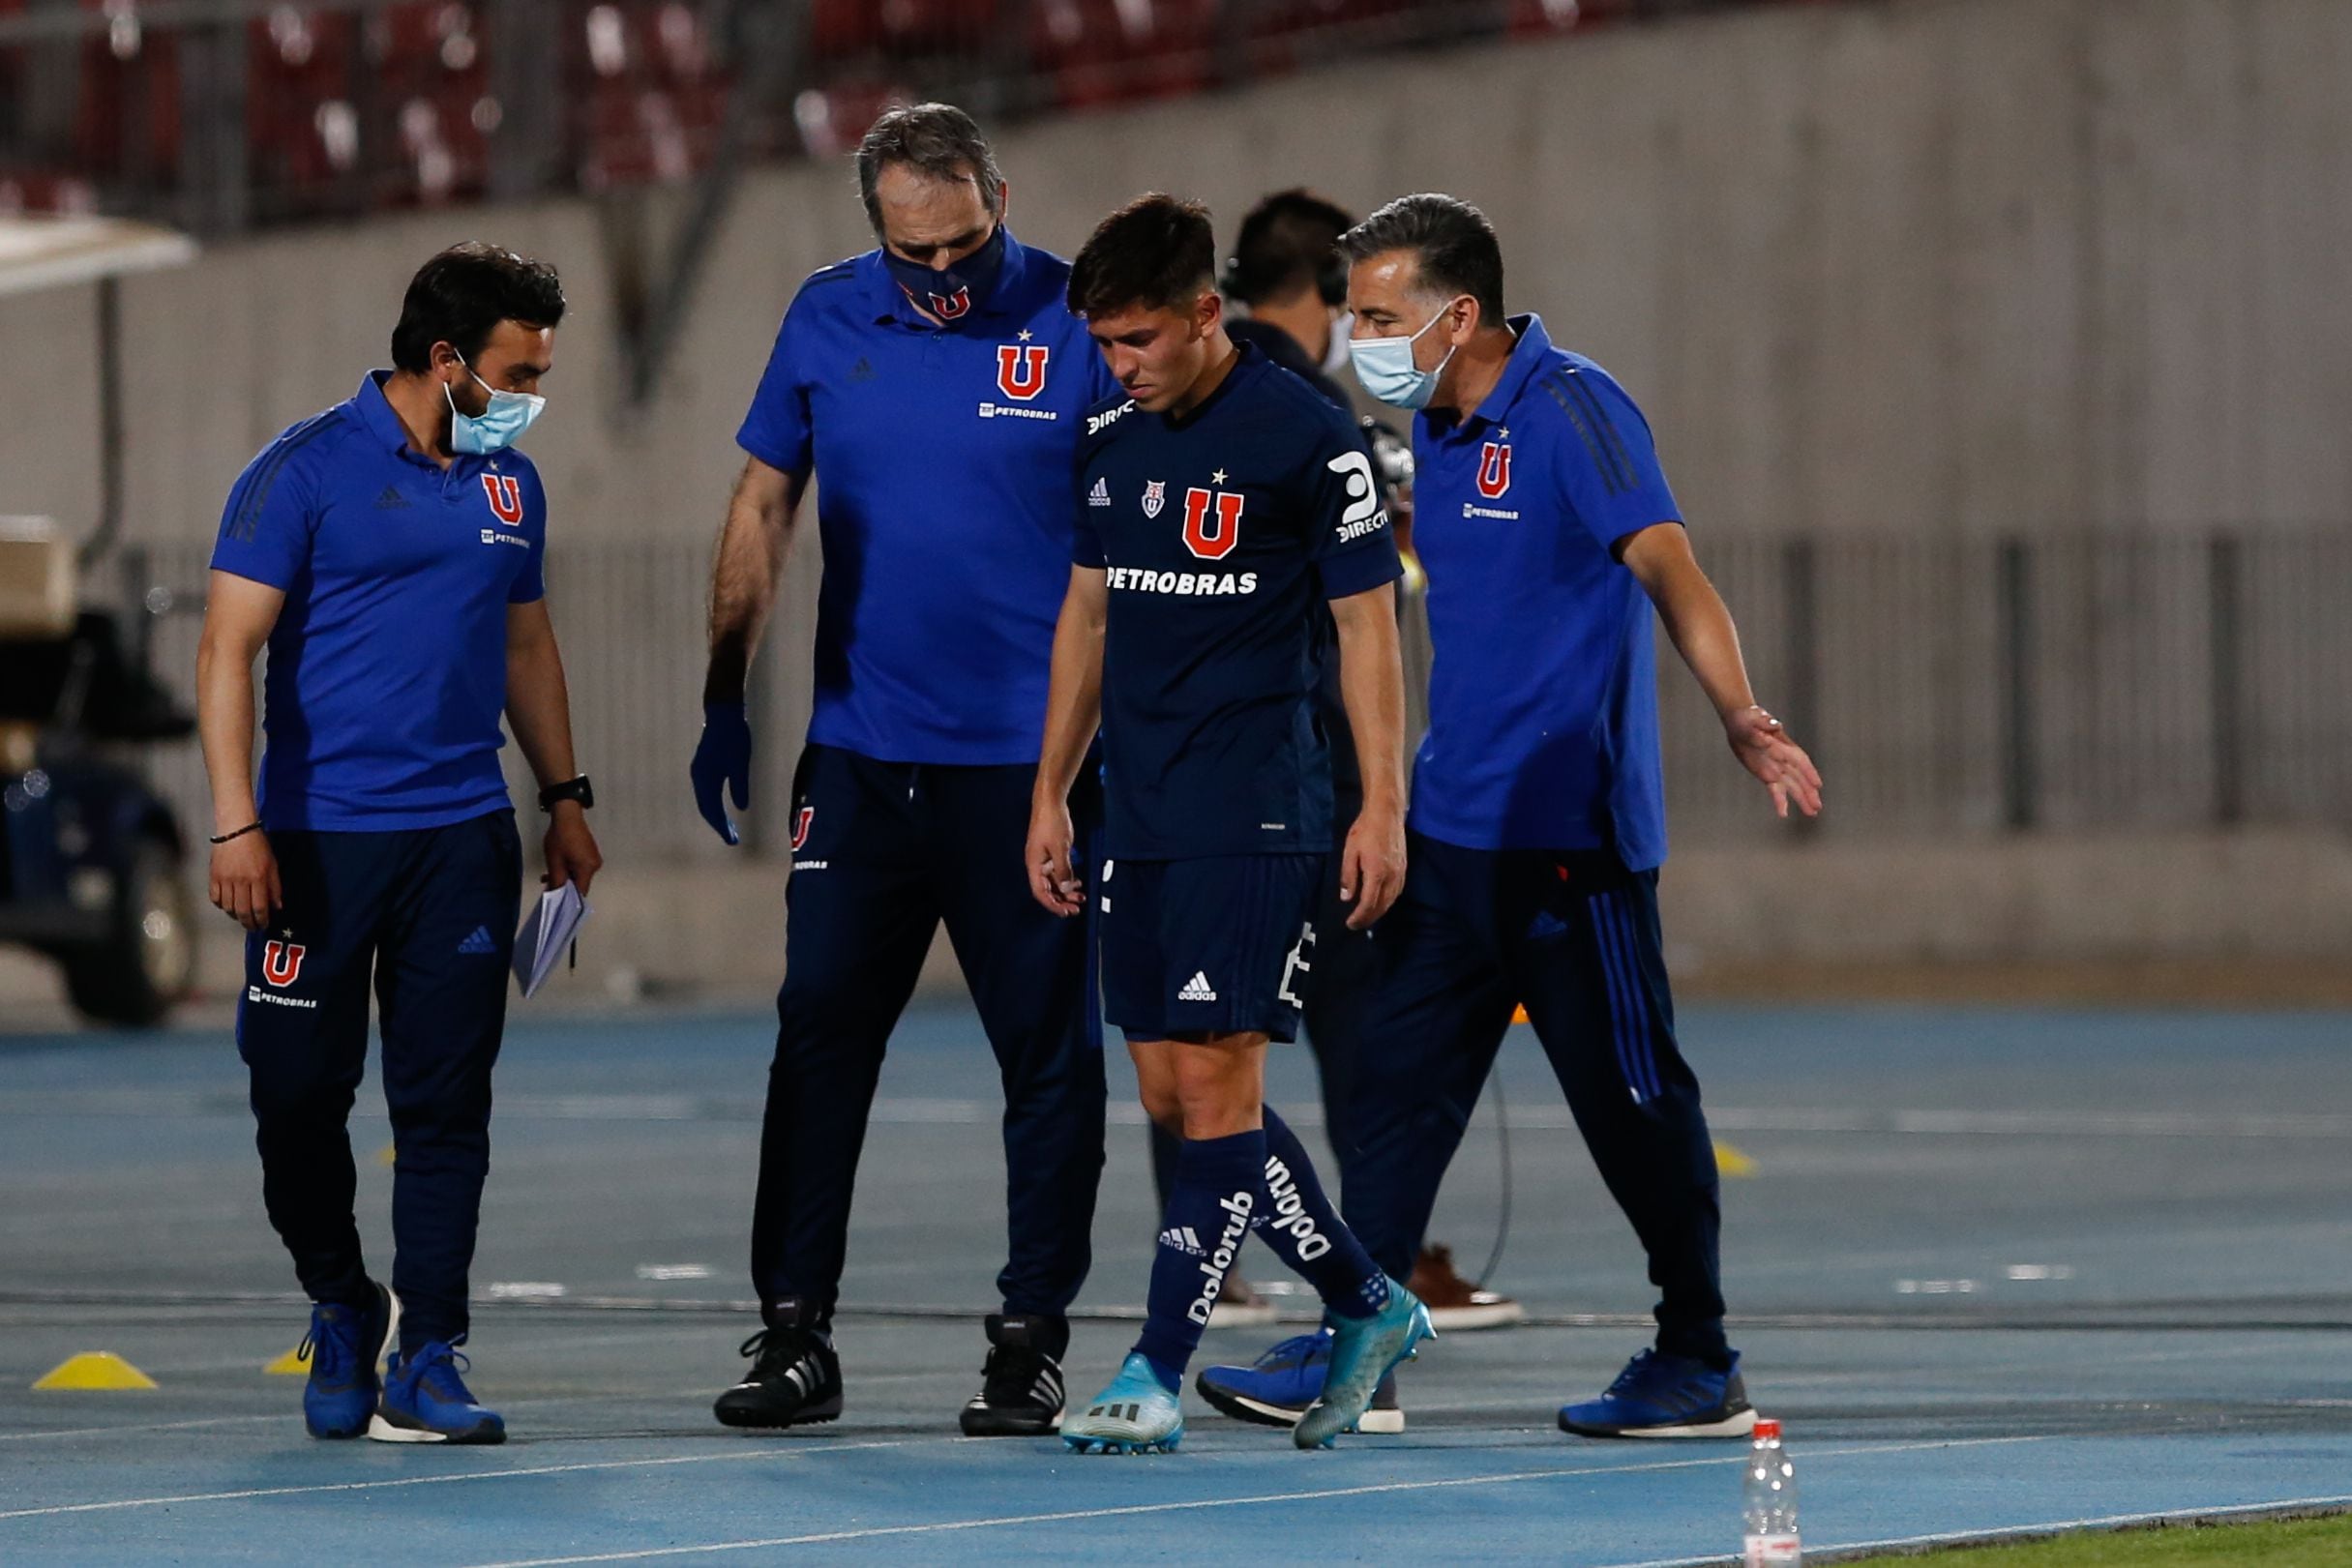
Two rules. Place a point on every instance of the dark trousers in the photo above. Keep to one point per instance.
(1575, 937)
(883, 852)
(430, 914)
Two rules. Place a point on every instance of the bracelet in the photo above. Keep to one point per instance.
(224, 838)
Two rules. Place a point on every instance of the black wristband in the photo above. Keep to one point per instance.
(575, 789)
(224, 838)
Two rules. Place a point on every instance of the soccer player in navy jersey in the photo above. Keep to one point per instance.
(1538, 820)
(937, 388)
(1221, 502)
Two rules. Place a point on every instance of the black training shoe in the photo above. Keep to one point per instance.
(794, 1380)
(1021, 1393)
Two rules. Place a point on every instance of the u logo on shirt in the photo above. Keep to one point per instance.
(1021, 370)
(1494, 468)
(1198, 539)
(505, 492)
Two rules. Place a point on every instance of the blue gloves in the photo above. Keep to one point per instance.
(723, 758)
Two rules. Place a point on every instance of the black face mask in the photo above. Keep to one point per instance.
(950, 292)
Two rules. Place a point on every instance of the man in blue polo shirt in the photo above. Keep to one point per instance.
(387, 552)
(936, 385)
(1538, 819)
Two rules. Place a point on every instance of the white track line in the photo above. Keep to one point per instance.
(2004, 1531)
(145, 1426)
(288, 1416)
(1502, 1478)
(905, 1111)
(810, 1451)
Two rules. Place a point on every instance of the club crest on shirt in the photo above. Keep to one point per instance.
(1212, 523)
(505, 492)
(1155, 497)
(1494, 469)
(1020, 370)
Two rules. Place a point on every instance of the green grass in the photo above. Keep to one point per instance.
(2299, 1543)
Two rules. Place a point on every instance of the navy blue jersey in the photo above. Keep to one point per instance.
(387, 668)
(1543, 720)
(1285, 350)
(1223, 533)
(941, 451)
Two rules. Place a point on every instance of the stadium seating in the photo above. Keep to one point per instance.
(365, 106)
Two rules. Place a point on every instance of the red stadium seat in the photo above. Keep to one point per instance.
(1111, 51)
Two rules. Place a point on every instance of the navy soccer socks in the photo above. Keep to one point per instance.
(1306, 1231)
(1216, 1194)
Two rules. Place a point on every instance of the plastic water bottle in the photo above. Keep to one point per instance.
(1770, 1502)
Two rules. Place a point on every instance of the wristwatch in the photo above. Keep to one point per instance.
(570, 789)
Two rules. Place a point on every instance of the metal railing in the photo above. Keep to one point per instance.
(2056, 683)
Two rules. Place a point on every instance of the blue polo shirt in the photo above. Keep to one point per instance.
(942, 459)
(1544, 726)
(387, 666)
(1222, 535)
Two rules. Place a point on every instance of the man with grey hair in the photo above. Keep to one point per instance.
(936, 385)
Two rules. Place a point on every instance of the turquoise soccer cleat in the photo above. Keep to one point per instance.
(1363, 1351)
(1134, 1415)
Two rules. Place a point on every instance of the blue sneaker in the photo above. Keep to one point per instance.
(1277, 1388)
(1666, 1396)
(1364, 1351)
(426, 1402)
(1134, 1415)
(345, 1348)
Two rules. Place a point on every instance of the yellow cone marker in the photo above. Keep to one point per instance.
(293, 1364)
(1729, 1161)
(95, 1369)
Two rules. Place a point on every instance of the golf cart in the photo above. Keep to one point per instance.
(95, 871)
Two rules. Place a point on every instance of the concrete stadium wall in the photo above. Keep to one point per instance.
(1951, 267)
(1930, 264)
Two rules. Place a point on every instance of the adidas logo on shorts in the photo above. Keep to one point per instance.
(1183, 1239)
(1197, 988)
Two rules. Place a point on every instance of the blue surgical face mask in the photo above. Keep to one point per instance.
(950, 292)
(498, 426)
(1386, 367)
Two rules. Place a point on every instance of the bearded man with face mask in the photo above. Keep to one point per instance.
(388, 554)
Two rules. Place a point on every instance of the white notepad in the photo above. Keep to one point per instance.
(546, 935)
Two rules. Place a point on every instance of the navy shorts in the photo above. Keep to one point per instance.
(1218, 945)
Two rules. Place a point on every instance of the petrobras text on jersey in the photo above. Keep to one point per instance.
(1015, 411)
(1143, 580)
